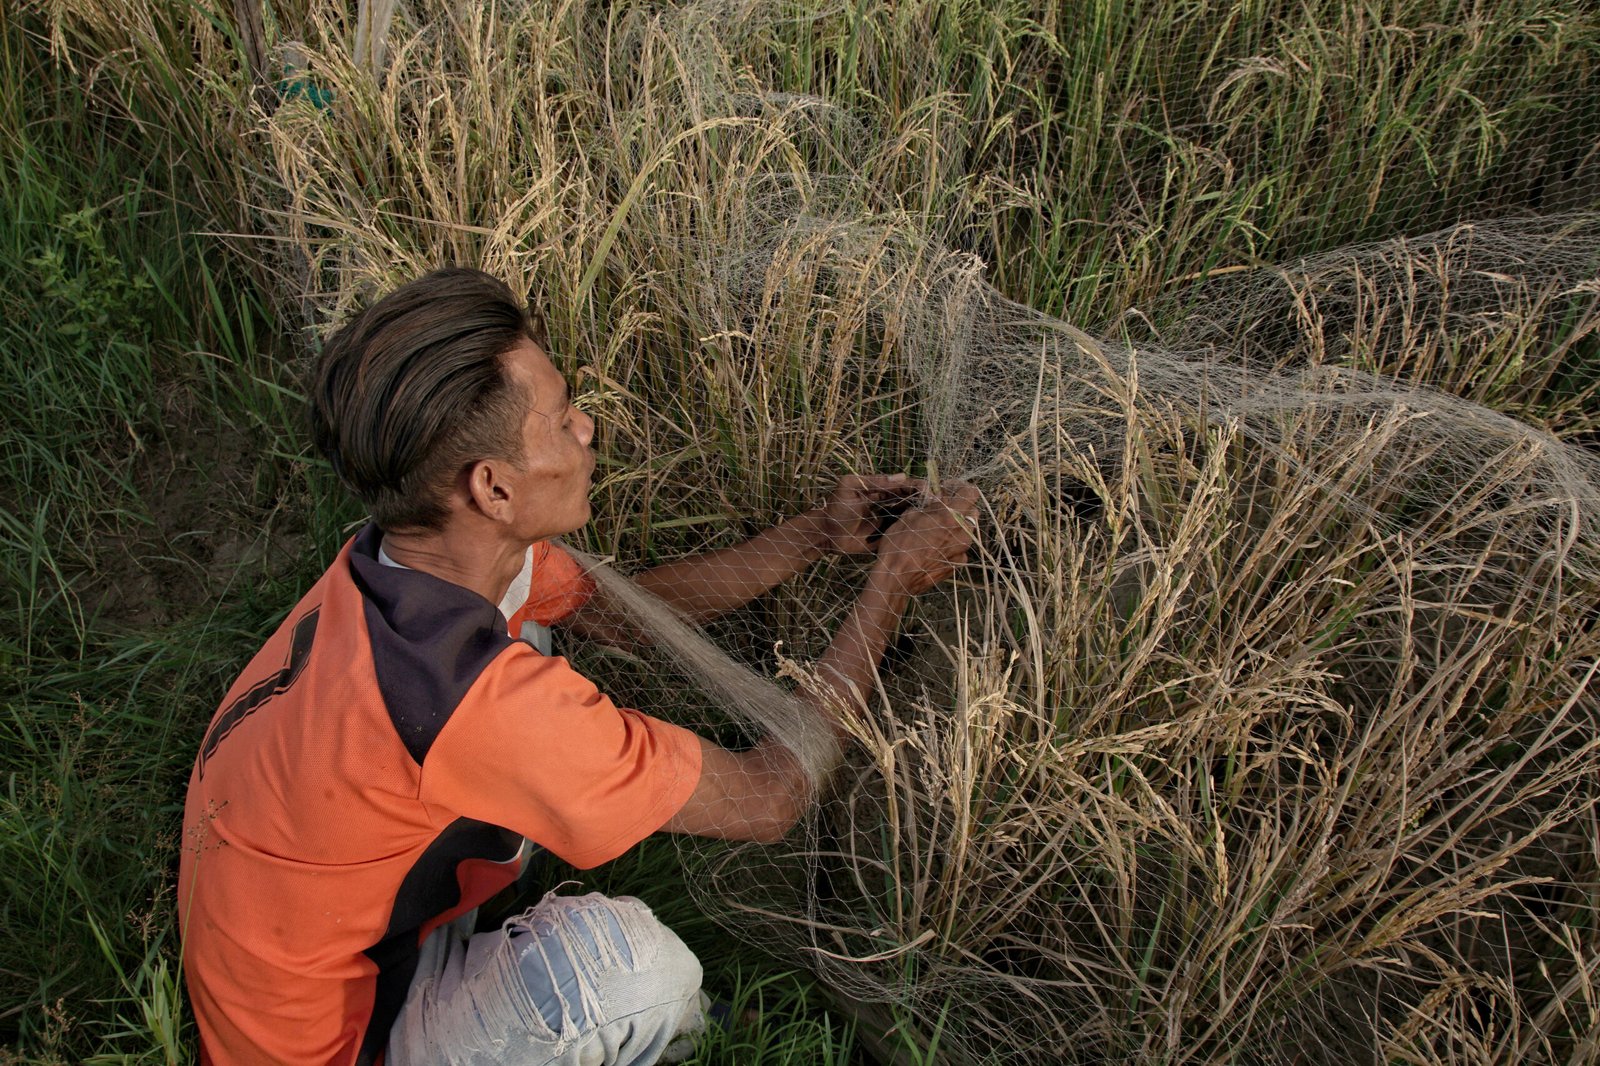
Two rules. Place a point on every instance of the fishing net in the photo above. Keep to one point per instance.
(1259, 727)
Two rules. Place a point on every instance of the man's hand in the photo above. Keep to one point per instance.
(926, 545)
(853, 516)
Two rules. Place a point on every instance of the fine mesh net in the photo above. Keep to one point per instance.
(1259, 727)
(1260, 661)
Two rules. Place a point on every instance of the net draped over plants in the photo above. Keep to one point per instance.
(1260, 727)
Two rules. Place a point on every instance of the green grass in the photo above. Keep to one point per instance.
(116, 637)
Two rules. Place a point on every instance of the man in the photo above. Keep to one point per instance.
(382, 765)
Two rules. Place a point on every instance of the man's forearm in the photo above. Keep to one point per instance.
(705, 586)
(758, 794)
(849, 668)
(845, 674)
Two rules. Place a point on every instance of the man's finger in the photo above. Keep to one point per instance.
(900, 484)
(966, 495)
(963, 518)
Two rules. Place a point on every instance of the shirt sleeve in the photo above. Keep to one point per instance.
(537, 748)
(558, 586)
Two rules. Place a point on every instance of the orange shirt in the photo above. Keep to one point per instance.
(370, 776)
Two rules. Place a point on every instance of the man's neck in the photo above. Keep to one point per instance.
(484, 565)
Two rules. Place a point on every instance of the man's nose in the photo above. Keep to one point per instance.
(585, 429)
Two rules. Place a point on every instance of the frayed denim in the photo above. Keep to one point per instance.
(573, 981)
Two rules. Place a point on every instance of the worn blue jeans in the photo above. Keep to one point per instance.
(573, 981)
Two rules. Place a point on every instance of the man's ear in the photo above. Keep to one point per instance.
(488, 490)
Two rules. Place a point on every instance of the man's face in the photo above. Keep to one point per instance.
(553, 484)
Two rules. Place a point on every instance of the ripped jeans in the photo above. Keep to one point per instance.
(573, 981)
